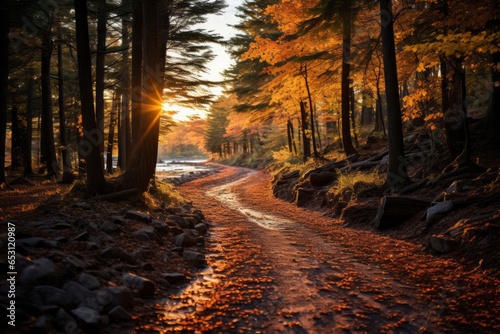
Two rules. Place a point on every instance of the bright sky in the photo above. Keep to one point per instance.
(221, 25)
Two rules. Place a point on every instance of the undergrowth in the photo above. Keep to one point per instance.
(356, 182)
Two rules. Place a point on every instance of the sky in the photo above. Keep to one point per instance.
(220, 24)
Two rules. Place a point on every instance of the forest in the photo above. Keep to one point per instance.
(342, 132)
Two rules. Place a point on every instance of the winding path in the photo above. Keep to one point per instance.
(276, 268)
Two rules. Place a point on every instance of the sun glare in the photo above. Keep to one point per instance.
(180, 114)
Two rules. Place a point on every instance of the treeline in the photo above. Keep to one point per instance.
(308, 71)
(79, 79)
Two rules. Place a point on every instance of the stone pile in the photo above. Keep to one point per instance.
(86, 265)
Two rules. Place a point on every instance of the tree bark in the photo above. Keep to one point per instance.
(397, 175)
(66, 159)
(99, 70)
(124, 142)
(143, 161)
(89, 145)
(306, 146)
(311, 113)
(136, 70)
(28, 166)
(47, 134)
(111, 135)
(4, 84)
(15, 150)
(345, 80)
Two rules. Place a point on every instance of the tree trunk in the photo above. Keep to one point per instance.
(491, 121)
(345, 80)
(311, 112)
(289, 135)
(111, 135)
(124, 142)
(89, 145)
(100, 62)
(28, 166)
(47, 135)
(4, 84)
(353, 115)
(136, 71)
(306, 146)
(143, 161)
(15, 150)
(67, 170)
(397, 175)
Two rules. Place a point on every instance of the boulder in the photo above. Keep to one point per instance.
(116, 296)
(135, 215)
(118, 314)
(148, 234)
(80, 293)
(322, 179)
(443, 244)
(174, 278)
(185, 240)
(87, 315)
(110, 227)
(195, 257)
(144, 286)
(50, 295)
(37, 242)
(201, 228)
(117, 253)
(40, 271)
(438, 211)
(88, 281)
(160, 227)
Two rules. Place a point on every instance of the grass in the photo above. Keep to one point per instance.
(356, 182)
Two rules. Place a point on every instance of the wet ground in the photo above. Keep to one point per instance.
(276, 268)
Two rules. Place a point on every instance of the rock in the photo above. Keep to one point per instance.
(443, 244)
(37, 242)
(177, 250)
(118, 314)
(66, 322)
(148, 234)
(322, 179)
(116, 253)
(437, 211)
(110, 227)
(143, 217)
(118, 220)
(82, 205)
(160, 227)
(74, 264)
(116, 296)
(174, 278)
(82, 224)
(195, 257)
(61, 226)
(178, 220)
(84, 236)
(41, 271)
(87, 315)
(201, 228)
(304, 196)
(144, 253)
(43, 325)
(80, 293)
(291, 175)
(144, 286)
(184, 240)
(50, 295)
(88, 281)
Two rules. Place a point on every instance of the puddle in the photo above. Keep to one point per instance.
(226, 195)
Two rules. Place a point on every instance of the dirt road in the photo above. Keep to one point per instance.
(275, 268)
